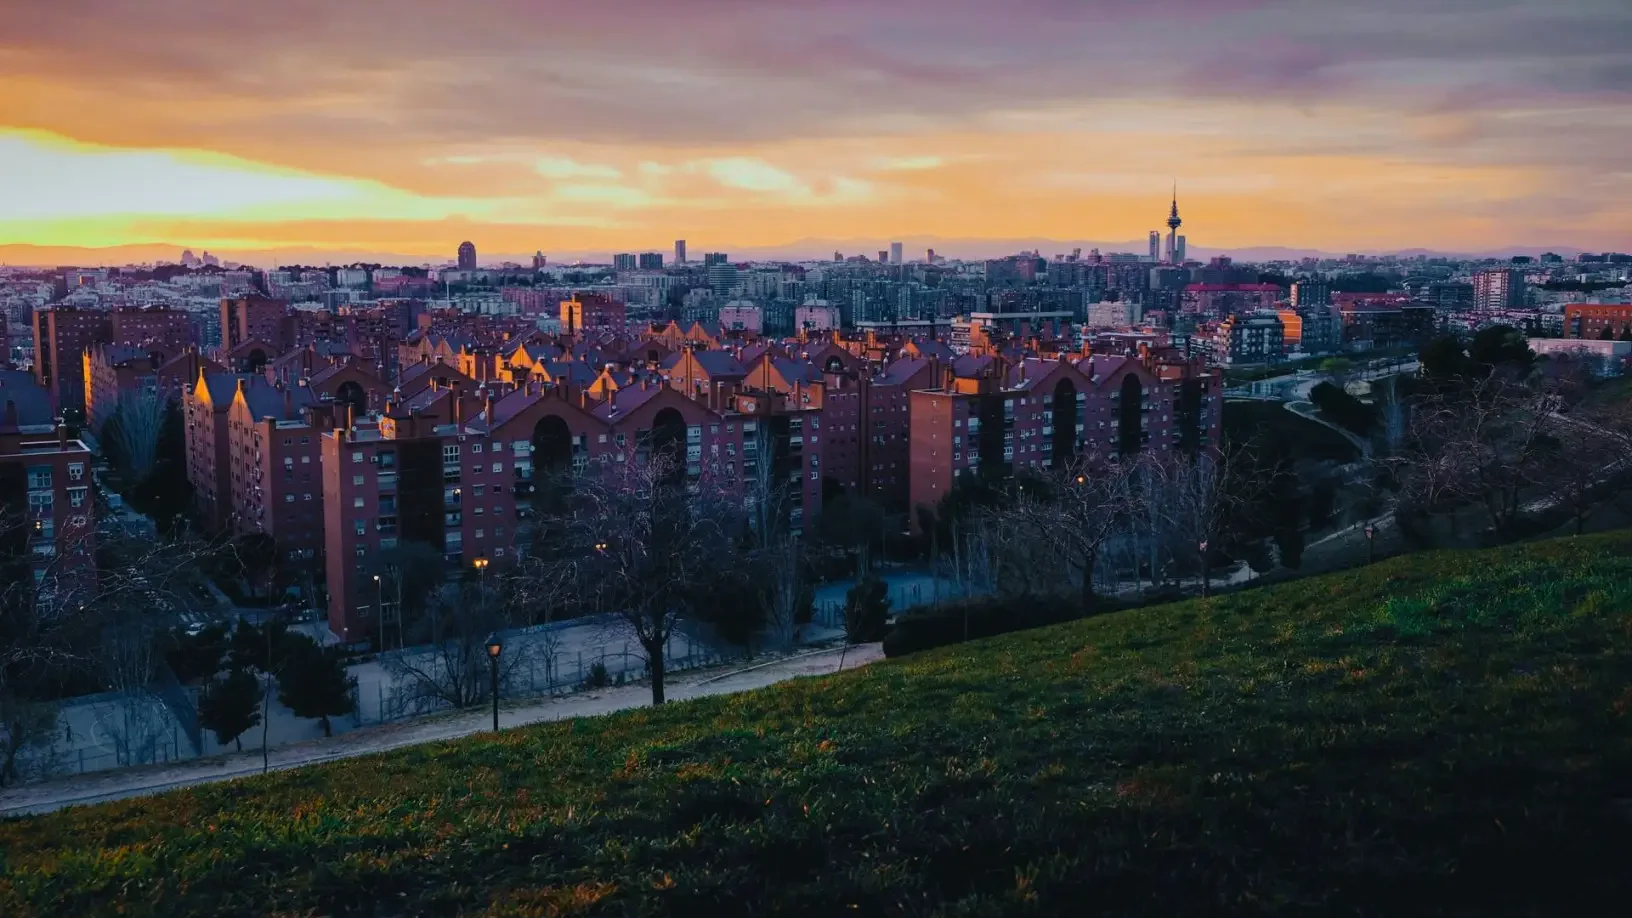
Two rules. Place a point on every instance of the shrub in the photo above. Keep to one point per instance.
(598, 677)
(977, 617)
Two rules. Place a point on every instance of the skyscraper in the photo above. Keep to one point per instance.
(623, 262)
(883, 256)
(714, 258)
(679, 251)
(1174, 255)
(1180, 252)
(1155, 246)
(539, 261)
(467, 256)
(651, 261)
(895, 253)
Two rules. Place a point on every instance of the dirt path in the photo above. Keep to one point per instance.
(97, 787)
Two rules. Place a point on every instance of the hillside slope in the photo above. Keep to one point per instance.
(1440, 734)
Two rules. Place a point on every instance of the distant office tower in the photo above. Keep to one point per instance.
(1498, 288)
(1306, 294)
(539, 261)
(1180, 251)
(714, 258)
(679, 251)
(895, 253)
(467, 256)
(838, 256)
(883, 256)
(623, 262)
(1155, 246)
(722, 277)
(651, 261)
(931, 257)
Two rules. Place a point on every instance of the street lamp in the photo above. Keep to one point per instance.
(379, 609)
(1371, 543)
(494, 648)
(1206, 579)
(481, 568)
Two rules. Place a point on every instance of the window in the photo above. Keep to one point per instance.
(306, 496)
(288, 441)
(39, 477)
(76, 471)
(76, 496)
(356, 479)
(481, 534)
(288, 498)
(356, 501)
(361, 526)
(498, 467)
(476, 447)
(357, 457)
(450, 454)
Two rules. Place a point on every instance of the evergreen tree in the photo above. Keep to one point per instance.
(229, 706)
(866, 611)
(314, 683)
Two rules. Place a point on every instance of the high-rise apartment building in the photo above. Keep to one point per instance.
(467, 256)
(1498, 288)
(623, 262)
(651, 261)
(895, 253)
(679, 251)
(1306, 294)
(714, 258)
(1155, 246)
(63, 334)
(539, 261)
(407, 478)
(254, 318)
(47, 515)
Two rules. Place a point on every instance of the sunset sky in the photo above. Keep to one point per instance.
(405, 126)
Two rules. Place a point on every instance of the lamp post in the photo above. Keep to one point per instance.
(494, 647)
(481, 568)
(1206, 580)
(379, 610)
(1371, 543)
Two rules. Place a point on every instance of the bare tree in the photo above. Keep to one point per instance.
(1064, 524)
(1482, 443)
(1198, 496)
(643, 540)
(452, 669)
(137, 424)
(82, 607)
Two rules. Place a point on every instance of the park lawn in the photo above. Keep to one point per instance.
(1443, 733)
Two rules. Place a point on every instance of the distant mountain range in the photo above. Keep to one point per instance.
(804, 249)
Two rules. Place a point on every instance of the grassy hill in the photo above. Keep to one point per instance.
(1446, 733)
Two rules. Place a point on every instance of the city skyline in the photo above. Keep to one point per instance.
(1312, 126)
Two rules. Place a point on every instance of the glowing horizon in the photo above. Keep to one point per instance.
(1440, 124)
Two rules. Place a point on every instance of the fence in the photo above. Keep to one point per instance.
(554, 674)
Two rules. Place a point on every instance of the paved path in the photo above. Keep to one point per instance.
(104, 786)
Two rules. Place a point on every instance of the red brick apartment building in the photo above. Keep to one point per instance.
(63, 334)
(47, 513)
(1042, 414)
(275, 477)
(1591, 320)
(113, 373)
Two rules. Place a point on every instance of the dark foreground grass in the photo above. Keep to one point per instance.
(1439, 734)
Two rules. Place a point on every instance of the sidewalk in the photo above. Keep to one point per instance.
(98, 787)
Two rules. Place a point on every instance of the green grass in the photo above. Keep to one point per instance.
(1445, 733)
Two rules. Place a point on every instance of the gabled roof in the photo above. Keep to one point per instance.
(719, 364)
(626, 402)
(266, 401)
(901, 371)
(220, 387)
